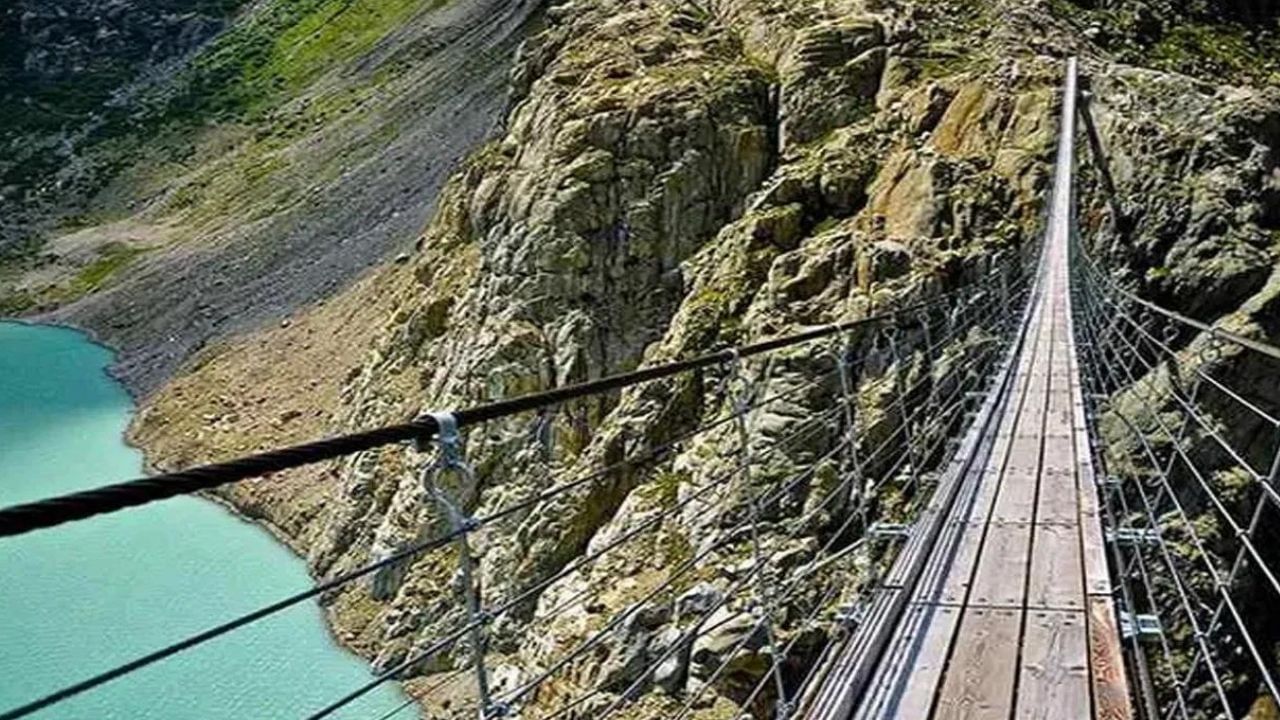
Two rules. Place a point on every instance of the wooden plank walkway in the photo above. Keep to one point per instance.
(1012, 616)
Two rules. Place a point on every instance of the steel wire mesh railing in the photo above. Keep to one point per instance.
(1192, 465)
(935, 356)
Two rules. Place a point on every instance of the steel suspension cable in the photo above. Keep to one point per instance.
(523, 690)
(1198, 474)
(1093, 273)
(402, 555)
(1090, 362)
(1162, 348)
(652, 666)
(527, 594)
(1199, 544)
(1181, 586)
(19, 519)
(822, 556)
(1095, 351)
(688, 637)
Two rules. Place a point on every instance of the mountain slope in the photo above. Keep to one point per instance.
(259, 172)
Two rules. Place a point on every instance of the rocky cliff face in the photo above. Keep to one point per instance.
(674, 177)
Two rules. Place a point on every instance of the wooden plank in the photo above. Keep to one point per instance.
(1017, 498)
(834, 696)
(1058, 418)
(979, 679)
(955, 579)
(1002, 566)
(1059, 454)
(1058, 500)
(1097, 578)
(1086, 486)
(1032, 413)
(907, 680)
(985, 496)
(1055, 581)
(1106, 663)
(1053, 682)
(1024, 455)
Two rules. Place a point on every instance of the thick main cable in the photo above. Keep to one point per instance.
(1184, 586)
(26, 517)
(402, 555)
(1095, 347)
(409, 552)
(457, 633)
(131, 493)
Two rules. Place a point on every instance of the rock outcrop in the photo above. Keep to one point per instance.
(670, 180)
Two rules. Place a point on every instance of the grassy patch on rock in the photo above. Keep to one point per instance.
(111, 259)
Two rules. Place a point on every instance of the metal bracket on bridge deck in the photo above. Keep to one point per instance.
(1134, 537)
(850, 615)
(1144, 627)
(889, 531)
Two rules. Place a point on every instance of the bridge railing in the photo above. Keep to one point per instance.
(1188, 415)
(850, 480)
(1186, 412)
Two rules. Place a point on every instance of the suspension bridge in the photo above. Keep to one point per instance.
(1083, 525)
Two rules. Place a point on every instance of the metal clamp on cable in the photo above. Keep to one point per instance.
(739, 398)
(385, 583)
(449, 459)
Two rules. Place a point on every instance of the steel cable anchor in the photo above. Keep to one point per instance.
(450, 459)
(741, 399)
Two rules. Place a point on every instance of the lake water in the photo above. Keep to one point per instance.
(78, 599)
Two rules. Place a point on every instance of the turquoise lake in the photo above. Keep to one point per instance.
(78, 599)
